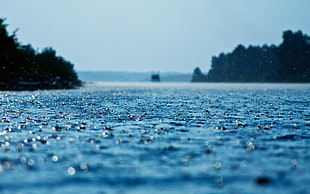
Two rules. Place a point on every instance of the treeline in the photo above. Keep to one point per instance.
(288, 62)
(23, 68)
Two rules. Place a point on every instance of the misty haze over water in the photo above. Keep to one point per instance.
(117, 76)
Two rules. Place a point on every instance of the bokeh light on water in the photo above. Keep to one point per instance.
(155, 137)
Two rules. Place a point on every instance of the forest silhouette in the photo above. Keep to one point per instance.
(288, 62)
(23, 68)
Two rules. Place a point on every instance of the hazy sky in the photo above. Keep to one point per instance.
(151, 35)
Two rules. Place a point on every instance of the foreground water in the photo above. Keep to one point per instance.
(157, 138)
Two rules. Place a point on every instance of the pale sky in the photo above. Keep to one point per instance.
(151, 35)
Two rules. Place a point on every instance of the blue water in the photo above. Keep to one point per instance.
(157, 138)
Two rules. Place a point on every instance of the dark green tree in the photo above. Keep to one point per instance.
(198, 76)
(289, 62)
(21, 63)
(8, 52)
(294, 54)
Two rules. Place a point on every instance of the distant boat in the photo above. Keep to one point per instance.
(155, 77)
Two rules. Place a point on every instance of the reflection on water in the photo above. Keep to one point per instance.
(151, 137)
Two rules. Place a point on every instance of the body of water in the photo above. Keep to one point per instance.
(156, 138)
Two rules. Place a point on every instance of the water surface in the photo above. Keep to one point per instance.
(156, 137)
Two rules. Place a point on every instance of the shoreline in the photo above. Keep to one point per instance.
(37, 83)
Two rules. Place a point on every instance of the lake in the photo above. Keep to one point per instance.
(156, 138)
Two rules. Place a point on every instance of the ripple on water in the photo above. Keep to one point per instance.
(137, 139)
